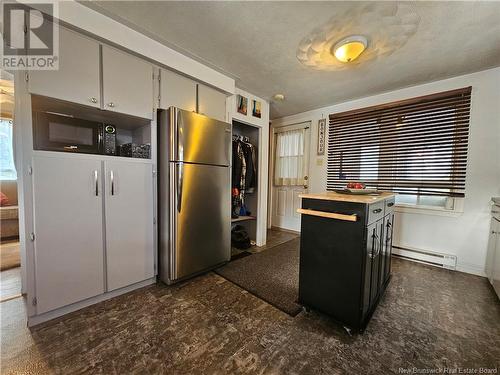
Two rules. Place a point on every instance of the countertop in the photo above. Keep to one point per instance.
(355, 198)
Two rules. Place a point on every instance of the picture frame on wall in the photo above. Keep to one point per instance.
(241, 104)
(321, 136)
(256, 108)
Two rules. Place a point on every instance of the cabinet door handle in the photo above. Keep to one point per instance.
(96, 183)
(111, 104)
(328, 215)
(376, 248)
(390, 204)
(112, 178)
(93, 100)
(378, 210)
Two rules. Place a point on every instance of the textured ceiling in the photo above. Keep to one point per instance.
(256, 43)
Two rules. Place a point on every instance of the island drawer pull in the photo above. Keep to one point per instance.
(328, 215)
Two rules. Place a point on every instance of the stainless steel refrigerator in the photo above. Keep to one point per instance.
(194, 193)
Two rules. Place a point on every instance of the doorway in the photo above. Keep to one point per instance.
(290, 171)
(10, 255)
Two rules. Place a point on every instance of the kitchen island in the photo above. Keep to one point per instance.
(345, 254)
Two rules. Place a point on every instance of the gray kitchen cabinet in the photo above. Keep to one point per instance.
(493, 254)
(129, 222)
(77, 79)
(127, 83)
(211, 102)
(68, 230)
(93, 226)
(177, 91)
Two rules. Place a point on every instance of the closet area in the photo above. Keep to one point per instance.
(244, 197)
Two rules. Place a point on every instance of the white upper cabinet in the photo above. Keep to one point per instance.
(177, 91)
(77, 79)
(129, 222)
(127, 83)
(211, 103)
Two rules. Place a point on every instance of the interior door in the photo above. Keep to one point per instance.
(200, 218)
(69, 257)
(77, 79)
(127, 83)
(129, 222)
(285, 199)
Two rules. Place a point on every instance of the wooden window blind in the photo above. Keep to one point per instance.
(415, 146)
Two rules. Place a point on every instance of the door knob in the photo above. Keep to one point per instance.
(93, 100)
(111, 104)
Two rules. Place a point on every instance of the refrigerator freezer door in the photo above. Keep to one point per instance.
(200, 222)
(199, 139)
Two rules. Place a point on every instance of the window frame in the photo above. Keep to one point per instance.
(12, 151)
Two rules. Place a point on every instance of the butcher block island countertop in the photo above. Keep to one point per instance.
(354, 198)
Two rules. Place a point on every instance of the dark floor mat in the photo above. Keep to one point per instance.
(272, 275)
(240, 255)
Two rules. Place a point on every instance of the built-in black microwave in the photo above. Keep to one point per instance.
(61, 132)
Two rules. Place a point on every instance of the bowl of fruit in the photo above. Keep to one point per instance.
(358, 188)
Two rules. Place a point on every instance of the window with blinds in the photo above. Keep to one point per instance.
(416, 146)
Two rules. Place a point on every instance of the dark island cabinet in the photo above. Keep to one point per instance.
(345, 256)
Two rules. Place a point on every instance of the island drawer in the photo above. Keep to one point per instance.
(347, 211)
(375, 211)
(389, 205)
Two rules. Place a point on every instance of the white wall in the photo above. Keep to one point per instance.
(263, 150)
(464, 235)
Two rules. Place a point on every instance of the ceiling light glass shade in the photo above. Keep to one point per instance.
(350, 48)
(389, 26)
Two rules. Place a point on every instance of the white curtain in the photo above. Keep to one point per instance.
(289, 163)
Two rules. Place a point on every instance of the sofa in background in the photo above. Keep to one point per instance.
(9, 214)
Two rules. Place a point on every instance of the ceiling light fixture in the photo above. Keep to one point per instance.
(349, 49)
(279, 97)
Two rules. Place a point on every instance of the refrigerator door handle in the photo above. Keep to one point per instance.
(180, 137)
(180, 180)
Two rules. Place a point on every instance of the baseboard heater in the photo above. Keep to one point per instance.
(425, 256)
